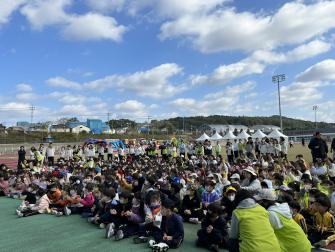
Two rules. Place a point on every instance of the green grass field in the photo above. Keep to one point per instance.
(292, 152)
(67, 233)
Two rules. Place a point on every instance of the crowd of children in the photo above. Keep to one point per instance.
(255, 202)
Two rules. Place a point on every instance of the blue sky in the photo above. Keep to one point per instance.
(165, 58)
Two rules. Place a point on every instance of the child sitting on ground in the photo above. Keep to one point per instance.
(118, 214)
(213, 233)
(297, 216)
(171, 232)
(153, 217)
(209, 195)
(101, 208)
(322, 233)
(42, 206)
(191, 206)
(134, 216)
(88, 199)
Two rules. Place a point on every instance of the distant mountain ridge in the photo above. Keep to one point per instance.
(194, 122)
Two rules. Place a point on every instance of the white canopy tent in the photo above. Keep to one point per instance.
(203, 137)
(243, 135)
(229, 136)
(216, 137)
(277, 134)
(258, 134)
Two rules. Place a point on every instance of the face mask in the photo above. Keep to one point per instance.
(231, 197)
(155, 205)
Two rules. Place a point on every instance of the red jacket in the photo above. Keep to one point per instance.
(88, 200)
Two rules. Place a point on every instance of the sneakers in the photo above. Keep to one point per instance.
(151, 243)
(109, 230)
(194, 220)
(160, 247)
(119, 235)
(19, 213)
(140, 239)
(58, 214)
(91, 220)
(67, 211)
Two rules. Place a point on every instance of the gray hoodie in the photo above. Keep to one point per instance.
(276, 209)
(234, 230)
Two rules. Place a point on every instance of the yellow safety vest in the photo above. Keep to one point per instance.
(291, 237)
(256, 232)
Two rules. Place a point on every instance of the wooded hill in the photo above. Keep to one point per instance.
(196, 122)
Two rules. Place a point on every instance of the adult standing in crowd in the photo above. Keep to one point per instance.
(318, 147)
(50, 152)
(21, 154)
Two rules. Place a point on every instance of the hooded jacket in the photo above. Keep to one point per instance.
(290, 235)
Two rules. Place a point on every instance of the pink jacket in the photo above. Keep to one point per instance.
(42, 204)
(88, 200)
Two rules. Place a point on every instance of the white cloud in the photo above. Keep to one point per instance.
(322, 71)
(15, 106)
(7, 7)
(41, 13)
(226, 29)
(325, 114)
(257, 62)
(76, 110)
(106, 5)
(23, 87)
(302, 93)
(151, 83)
(93, 26)
(173, 8)
(73, 99)
(27, 97)
(133, 109)
(233, 90)
(61, 82)
(302, 52)
(216, 103)
(130, 105)
(226, 73)
(88, 26)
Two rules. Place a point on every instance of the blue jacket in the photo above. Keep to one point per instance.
(173, 226)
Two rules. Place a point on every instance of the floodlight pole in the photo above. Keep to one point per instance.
(277, 79)
(315, 108)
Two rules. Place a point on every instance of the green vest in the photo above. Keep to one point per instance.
(164, 151)
(291, 237)
(256, 232)
(218, 149)
(38, 156)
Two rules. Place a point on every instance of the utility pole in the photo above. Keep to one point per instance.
(108, 115)
(148, 130)
(32, 109)
(315, 108)
(277, 79)
(183, 124)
